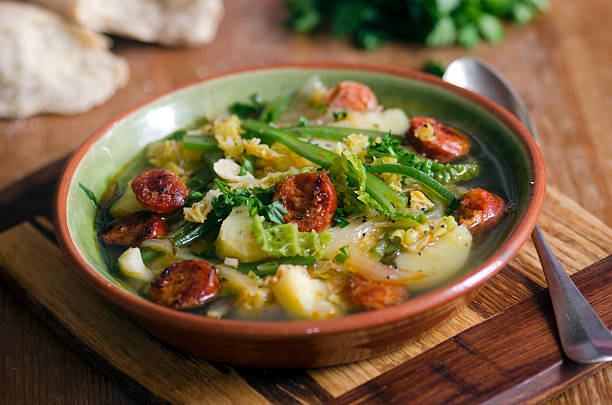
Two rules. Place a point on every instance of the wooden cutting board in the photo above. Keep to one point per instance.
(502, 348)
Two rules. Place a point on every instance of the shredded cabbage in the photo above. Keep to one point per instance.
(355, 199)
(285, 240)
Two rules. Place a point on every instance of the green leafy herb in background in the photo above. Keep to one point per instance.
(432, 22)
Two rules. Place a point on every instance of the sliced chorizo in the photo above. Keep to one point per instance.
(352, 96)
(310, 200)
(184, 285)
(480, 208)
(370, 294)
(435, 140)
(160, 191)
(133, 229)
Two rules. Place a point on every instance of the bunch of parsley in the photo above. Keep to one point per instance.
(433, 22)
(257, 200)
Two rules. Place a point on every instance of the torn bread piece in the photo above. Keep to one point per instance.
(50, 65)
(167, 22)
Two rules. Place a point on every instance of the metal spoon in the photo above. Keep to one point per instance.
(584, 337)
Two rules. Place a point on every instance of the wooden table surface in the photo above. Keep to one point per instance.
(561, 64)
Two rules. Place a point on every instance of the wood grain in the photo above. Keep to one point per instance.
(514, 357)
(154, 373)
(560, 64)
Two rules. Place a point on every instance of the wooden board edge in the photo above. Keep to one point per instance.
(559, 375)
(133, 387)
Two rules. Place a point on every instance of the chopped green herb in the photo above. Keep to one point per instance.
(339, 218)
(343, 255)
(244, 110)
(248, 165)
(90, 194)
(442, 173)
(303, 121)
(340, 115)
(432, 22)
(274, 212)
(434, 68)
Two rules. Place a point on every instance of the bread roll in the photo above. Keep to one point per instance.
(50, 65)
(168, 22)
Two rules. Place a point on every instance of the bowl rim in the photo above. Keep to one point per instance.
(266, 330)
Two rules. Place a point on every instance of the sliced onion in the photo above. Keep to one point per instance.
(162, 245)
(359, 261)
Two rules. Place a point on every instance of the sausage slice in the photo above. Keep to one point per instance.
(133, 229)
(435, 140)
(185, 285)
(160, 191)
(310, 199)
(370, 294)
(352, 96)
(480, 208)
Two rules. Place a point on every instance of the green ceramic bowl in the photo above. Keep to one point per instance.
(299, 343)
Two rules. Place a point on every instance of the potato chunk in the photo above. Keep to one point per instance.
(302, 296)
(236, 238)
(438, 261)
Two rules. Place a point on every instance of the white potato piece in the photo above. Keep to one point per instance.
(302, 296)
(126, 204)
(393, 119)
(236, 238)
(439, 261)
(131, 265)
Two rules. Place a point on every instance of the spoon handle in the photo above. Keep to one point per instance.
(582, 332)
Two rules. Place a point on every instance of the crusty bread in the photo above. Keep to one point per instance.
(50, 65)
(168, 22)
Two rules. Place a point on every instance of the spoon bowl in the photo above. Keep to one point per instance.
(584, 337)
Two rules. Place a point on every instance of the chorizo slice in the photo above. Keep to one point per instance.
(480, 209)
(352, 96)
(310, 200)
(435, 140)
(133, 229)
(160, 191)
(184, 285)
(370, 294)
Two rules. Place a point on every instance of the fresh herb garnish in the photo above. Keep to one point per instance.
(434, 68)
(343, 255)
(432, 22)
(303, 121)
(442, 173)
(340, 115)
(257, 201)
(248, 165)
(339, 218)
(244, 110)
(90, 194)
(274, 212)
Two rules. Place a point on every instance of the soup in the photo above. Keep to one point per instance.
(308, 207)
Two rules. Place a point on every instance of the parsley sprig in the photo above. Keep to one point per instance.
(257, 200)
(433, 22)
(443, 173)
